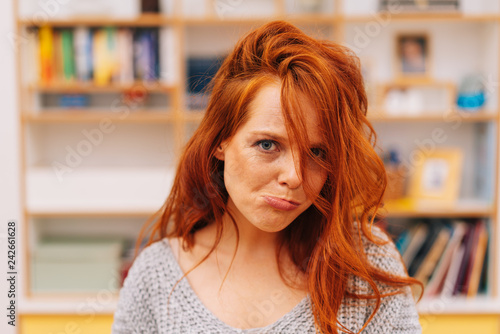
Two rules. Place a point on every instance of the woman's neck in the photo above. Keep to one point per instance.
(253, 244)
(256, 251)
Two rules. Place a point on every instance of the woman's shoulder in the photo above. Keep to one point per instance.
(153, 250)
(154, 260)
(144, 289)
(383, 254)
(397, 312)
(152, 253)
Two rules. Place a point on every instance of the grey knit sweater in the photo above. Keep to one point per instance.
(142, 305)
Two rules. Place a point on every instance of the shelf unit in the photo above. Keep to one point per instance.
(148, 141)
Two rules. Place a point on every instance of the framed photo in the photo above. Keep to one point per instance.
(437, 176)
(412, 56)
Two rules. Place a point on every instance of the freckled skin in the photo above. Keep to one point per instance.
(258, 162)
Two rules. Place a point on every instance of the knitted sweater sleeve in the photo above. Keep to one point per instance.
(134, 313)
(397, 313)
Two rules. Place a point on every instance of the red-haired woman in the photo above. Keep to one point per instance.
(269, 224)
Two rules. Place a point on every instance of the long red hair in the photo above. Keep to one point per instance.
(325, 241)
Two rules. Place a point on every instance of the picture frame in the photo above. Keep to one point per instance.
(437, 176)
(413, 57)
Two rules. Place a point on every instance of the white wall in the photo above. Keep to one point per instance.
(9, 151)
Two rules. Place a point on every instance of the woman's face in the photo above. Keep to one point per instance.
(261, 175)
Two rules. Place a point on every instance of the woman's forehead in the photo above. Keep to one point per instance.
(265, 114)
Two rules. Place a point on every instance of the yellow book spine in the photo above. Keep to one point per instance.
(46, 53)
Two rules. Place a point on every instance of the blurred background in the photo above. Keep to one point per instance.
(99, 98)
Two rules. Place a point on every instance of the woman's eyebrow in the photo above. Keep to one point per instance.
(271, 135)
(279, 138)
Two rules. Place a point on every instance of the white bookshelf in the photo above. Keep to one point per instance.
(130, 173)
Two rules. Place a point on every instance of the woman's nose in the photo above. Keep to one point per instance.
(290, 171)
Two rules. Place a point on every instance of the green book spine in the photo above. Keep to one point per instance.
(68, 54)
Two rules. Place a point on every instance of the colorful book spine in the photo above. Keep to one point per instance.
(437, 279)
(83, 53)
(68, 56)
(460, 283)
(478, 260)
(431, 259)
(57, 52)
(104, 51)
(125, 72)
(102, 55)
(449, 257)
(46, 53)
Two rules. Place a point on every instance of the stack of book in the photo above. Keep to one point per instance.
(76, 265)
(101, 55)
(449, 257)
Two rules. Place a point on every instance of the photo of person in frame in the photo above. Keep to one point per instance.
(412, 51)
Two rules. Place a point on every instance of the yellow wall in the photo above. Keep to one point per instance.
(65, 324)
(101, 324)
(460, 324)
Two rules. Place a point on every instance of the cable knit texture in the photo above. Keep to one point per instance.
(142, 305)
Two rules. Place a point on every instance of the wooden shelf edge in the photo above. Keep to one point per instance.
(381, 116)
(407, 208)
(423, 17)
(157, 20)
(84, 87)
(67, 304)
(77, 214)
(295, 18)
(458, 305)
(437, 214)
(149, 20)
(71, 116)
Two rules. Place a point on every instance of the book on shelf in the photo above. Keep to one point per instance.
(452, 274)
(124, 45)
(432, 257)
(436, 282)
(484, 286)
(83, 53)
(200, 71)
(428, 6)
(434, 228)
(46, 50)
(403, 240)
(416, 242)
(57, 60)
(68, 57)
(100, 55)
(462, 276)
(481, 242)
(450, 257)
(102, 51)
(146, 54)
(74, 101)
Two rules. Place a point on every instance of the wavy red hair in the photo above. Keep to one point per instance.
(325, 241)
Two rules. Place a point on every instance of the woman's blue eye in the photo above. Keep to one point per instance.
(266, 145)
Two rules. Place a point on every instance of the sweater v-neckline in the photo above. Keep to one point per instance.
(200, 305)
